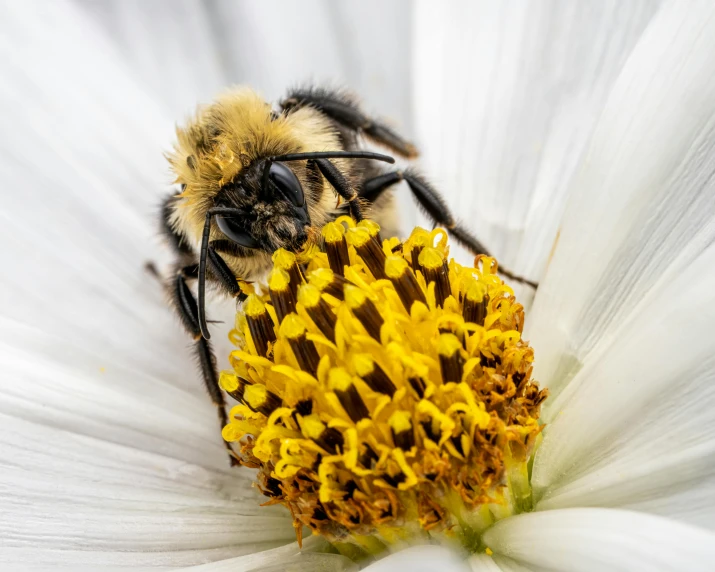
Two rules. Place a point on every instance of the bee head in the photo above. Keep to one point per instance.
(269, 209)
(265, 208)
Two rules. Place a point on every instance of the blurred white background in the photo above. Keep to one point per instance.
(186, 51)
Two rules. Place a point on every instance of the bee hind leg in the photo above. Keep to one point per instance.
(343, 108)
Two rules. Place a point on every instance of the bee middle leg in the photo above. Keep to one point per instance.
(435, 207)
(343, 108)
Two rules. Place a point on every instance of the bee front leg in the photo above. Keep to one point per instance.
(341, 186)
(221, 272)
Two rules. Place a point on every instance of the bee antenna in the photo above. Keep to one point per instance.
(331, 155)
(202, 264)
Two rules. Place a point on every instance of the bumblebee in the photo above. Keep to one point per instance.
(254, 179)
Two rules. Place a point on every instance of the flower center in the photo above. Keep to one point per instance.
(385, 391)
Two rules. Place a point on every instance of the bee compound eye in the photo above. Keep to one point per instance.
(287, 183)
(234, 232)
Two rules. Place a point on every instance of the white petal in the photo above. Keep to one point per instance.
(340, 43)
(636, 427)
(498, 562)
(171, 46)
(506, 98)
(421, 559)
(644, 200)
(601, 539)
(494, 563)
(76, 500)
(286, 558)
(185, 52)
(62, 385)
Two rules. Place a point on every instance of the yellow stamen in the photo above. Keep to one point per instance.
(278, 280)
(450, 359)
(401, 425)
(431, 258)
(333, 232)
(282, 292)
(325, 280)
(318, 310)
(364, 309)
(293, 329)
(340, 381)
(228, 381)
(372, 228)
(414, 245)
(358, 236)
(260, 324)
(435, 270)
(475, 302)
(312, 427)
(336, 247)
(390, 403)
(398, 271)
(288, 261)
(284, 259)
(254, 306)
(368, 247)
(258, 398)
(373, 374)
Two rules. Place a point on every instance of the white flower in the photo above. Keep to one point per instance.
(588, 122)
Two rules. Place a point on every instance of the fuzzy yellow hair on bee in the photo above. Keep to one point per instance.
(223, 139)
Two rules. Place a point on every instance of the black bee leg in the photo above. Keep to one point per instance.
(344, 109)
(188, 312)
(435, 207)
(221, 273)
(342, 186)
(371, 189)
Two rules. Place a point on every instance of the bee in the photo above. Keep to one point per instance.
(253, 179)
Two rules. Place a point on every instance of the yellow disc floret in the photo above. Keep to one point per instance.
(385, 390)
(333, 232)
(284, 259)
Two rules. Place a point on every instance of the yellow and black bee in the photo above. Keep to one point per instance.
(254, 180)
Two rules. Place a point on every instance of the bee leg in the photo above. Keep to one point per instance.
(371, 189)
(344, 110)
(222, 274)
(342, 186)
(435, 207)
(188, 312)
